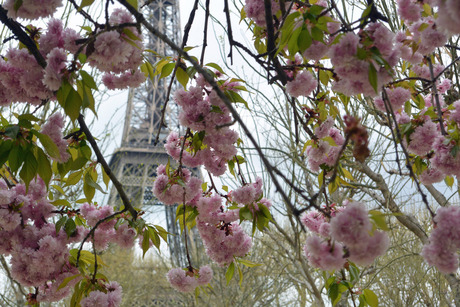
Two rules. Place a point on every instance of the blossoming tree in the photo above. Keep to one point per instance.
(342, 78)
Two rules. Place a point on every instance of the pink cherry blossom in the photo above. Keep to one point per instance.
(324, 254)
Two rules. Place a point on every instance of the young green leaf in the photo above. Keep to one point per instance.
(230, 272)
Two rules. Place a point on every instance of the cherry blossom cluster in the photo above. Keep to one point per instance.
(116, 54)
(31, 9)
(346, 234)
(444, 241)
(187, 280)
(209, 142)
(175, 186)
(319, 49)
(39, 254)
(303, 84)
(423, 137)
(255, 9)
(110, 297)
(113, 52)
(250, 194)
(204, 112)
(21, 79)
(326, 149)
(350, 58)
(105, 232)
(223, 239)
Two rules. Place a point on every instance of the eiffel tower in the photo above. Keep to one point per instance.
(135, 162)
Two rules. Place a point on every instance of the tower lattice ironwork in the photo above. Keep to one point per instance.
(135, 162)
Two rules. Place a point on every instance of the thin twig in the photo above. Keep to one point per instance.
(106, 167)
(205, 32)
(91, 232)
(408, 163)
(187, 28)
(229, 30)
(436, 98)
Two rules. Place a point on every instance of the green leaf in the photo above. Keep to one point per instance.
(145, 243)
(366, 13)
(262, 221)
(90, 181)
(347, 174)
(133, 3)
(5, 148)
(230, 272)
(245, 214)
(16, 157)
(28, 117)
(324, 77)
(17, 5)
(162, 232)
(67, 280)
(182, 77)
(354, 272)
(63, 92)
(89, 191)
(216, 67)
(248, 263)
(60, 223)
(329, 282)
(293, 46)
(88, 79)
(73, 103)
(235, 97)
(304, 40)
(12, 131)
(44, 166)
(373, 79)
(59, 189)
(167, 70)
(70, 227)
(74, 178)
(321, 179)
(130, 34)
(231, 168)
(334, 293)
(86, 152)
(29, 168)
(105, 178)
(265, 211)
(154, 237)
(87, 96)
(77, 295)
(85, 3)
(148, 70)
(240, 272)
(287, 28)
(179, 211)
(61, 202)
(51, 148)
(371, 298)
(316, 9)
(317, 34)
(449, 180)
(379, 219)
(329, 140)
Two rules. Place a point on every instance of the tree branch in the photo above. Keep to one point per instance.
(106, 167)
